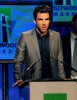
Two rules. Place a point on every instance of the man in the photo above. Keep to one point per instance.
(68, 50)
(40, 49)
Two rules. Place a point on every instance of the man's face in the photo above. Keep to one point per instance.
(74, 26)
(42, 22)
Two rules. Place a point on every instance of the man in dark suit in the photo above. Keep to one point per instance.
(68, 42)
(39, 48)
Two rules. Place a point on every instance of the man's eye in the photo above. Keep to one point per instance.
(39, 19)
(47, 19)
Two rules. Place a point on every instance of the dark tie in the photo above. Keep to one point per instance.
(74, 64)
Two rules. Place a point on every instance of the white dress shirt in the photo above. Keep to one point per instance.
(72, 44)
(72, 40)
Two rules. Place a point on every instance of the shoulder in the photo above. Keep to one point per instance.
(54, 34)
(26, 33)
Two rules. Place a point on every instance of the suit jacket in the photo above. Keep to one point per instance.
(67, 54)
(28, 51)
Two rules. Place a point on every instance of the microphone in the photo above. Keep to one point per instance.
(24, 75)
(70, 67)
(27, 73)
(33, 64)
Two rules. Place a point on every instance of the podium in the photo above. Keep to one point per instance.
(53, 90)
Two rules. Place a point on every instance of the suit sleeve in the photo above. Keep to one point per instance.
(19, 57)
(60, 58)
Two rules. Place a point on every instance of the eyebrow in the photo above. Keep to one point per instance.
(45, 19)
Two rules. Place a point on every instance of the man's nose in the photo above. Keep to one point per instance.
(44, 22)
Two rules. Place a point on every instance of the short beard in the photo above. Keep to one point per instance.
(40, 30)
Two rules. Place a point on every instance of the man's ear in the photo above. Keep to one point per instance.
(34, 21)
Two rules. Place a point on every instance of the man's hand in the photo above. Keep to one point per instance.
(17, 83)
(67, 79)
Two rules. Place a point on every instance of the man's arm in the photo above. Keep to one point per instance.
(60, 58)
(18, 59)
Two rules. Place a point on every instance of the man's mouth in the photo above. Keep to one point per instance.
(43, 27)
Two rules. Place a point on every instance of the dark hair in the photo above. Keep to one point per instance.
(74, 17)
(42, 9)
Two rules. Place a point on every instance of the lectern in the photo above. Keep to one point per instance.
(53, 90)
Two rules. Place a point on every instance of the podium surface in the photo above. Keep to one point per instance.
(53, 90)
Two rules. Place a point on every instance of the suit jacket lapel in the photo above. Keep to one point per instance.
(35, 43)
(51, 43)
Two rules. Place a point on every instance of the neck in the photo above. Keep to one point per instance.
(41, 33)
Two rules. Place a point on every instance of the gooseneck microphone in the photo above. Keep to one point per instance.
(27, 73)
(33, 64)
(69, 66)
